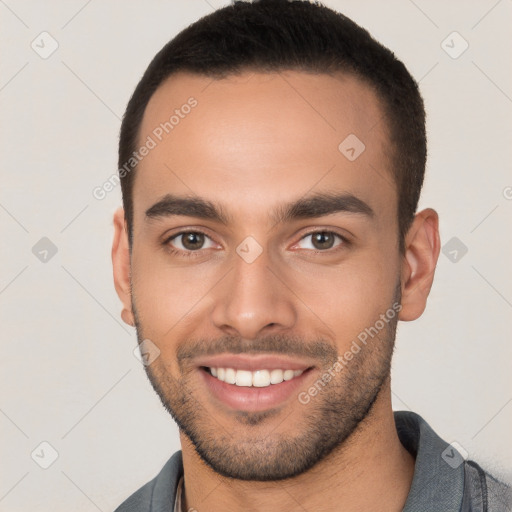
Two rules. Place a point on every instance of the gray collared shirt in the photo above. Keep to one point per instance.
(443, 481)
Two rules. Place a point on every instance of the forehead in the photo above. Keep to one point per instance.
(261, 138)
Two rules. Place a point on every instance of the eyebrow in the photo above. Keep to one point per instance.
(316, 205)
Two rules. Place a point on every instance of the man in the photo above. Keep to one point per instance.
(271, 161)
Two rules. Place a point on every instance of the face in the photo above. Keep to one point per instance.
(260, 245)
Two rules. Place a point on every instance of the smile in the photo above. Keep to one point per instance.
(259, 378)
(256, 390)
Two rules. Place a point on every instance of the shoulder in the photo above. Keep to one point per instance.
(158, 492)
(140, 500)
(481, 489)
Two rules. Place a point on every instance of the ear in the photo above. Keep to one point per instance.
(121, 265)
(422, 245)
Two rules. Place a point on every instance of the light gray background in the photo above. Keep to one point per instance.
(69, 376)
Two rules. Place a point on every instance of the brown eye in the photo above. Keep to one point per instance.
(323, 240)
(193, 241)
(188, 241)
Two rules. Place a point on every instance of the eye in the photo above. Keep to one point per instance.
(190, 241)
(322, 240)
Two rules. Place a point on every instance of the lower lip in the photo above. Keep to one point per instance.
(250, 398)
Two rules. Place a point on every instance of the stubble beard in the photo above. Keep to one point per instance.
(252, 449)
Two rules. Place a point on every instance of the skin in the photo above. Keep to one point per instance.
(253, 143)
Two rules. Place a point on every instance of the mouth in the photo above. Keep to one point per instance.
(253, 390)
(260, 378)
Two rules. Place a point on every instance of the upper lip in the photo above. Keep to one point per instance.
(253, 363)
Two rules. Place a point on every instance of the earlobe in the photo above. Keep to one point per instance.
(422, 247)
(127, 317)
(121, 265)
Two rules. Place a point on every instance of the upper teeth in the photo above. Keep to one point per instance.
(258, 378)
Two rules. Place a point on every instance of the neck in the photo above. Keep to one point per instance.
(370, 471)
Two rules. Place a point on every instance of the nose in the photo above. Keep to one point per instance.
(252, 300)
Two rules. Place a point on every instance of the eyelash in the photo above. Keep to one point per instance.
(190, 254)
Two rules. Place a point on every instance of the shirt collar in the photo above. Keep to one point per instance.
(438, 471)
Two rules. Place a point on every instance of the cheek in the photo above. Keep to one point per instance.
(166, 295)
(348, 298)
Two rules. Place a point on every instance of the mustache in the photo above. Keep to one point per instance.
(274, 344)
